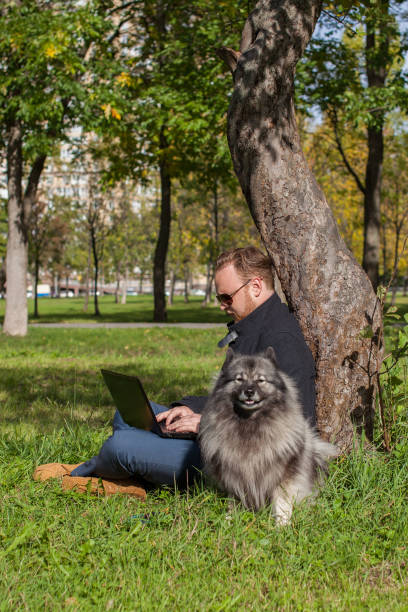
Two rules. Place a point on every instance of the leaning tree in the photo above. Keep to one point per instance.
(327, 289)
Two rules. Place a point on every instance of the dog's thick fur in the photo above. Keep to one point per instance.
(255, 442)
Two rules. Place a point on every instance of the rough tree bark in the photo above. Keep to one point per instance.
(328, 291)
(19, 207)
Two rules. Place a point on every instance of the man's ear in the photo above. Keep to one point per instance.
(270, 354)
(256, 286)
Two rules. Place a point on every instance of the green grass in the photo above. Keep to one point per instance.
(401, 303)
(189, 550)
(137, 309)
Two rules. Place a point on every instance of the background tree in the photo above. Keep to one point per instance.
(173, 99)
(339, 187)
(3, 245)
(395, 209)
(50, 55)
(48, 233)
(357, 79)
(98, 224)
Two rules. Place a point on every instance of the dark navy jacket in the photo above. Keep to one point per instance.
(271, 324)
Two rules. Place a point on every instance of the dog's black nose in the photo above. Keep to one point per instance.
(249, 391)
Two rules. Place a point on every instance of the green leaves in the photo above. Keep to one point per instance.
(48, 54)
(356, 65)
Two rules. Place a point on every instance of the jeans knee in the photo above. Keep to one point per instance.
(112, 458)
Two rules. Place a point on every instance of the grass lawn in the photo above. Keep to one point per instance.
(137, 309)
(178, 550)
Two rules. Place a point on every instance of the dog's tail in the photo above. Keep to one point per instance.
(322, 453)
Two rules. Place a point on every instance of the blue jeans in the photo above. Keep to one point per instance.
(134, 452)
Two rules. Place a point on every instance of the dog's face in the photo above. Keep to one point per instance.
(252, 380)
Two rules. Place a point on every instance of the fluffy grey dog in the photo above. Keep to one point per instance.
(255, 442)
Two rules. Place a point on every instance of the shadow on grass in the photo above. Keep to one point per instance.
(137, 310)
(46, 397)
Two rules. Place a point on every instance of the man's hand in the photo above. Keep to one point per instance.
(180, 419)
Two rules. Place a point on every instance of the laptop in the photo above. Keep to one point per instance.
(131, 400)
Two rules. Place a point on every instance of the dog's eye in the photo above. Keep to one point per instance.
(261, 379)
(239, 378)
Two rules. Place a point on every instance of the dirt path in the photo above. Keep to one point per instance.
(118, 325)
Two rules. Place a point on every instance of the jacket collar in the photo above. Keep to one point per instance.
(252, 321)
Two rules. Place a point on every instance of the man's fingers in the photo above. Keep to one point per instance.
(162, 415)
(177, 413)
(186, 424)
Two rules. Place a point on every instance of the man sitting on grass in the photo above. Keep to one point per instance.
(245, 290)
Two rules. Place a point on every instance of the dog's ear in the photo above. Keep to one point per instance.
(270, 354)
(228, 357)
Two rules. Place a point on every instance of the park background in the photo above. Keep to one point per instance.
(124, 104)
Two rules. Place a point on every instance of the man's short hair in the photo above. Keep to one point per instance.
(248, 262)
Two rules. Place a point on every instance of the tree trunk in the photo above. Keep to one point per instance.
(173, 280)
(124, 286)
(36, 276)
(328, 291)
(15, 320)
(160, 255)
(141, 276)
(208, 284)
(372, 200)
(96, 271)
(117, 287)
(58, 285)
(377, 58)
(19, 209)
(398, 228)
(186, 284)
(3, 279)
(384, 251)
(216, 234)
(88, 274)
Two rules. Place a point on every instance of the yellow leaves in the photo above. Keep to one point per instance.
(124, 79)
(57, 45)
(51, 50)
(110, 111)
(115, 114)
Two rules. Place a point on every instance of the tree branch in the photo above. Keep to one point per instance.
(32, 184)
(334, 121)
(229, 56)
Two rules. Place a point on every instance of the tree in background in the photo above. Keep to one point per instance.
(170, 100)
(356, 79)
(394, 227)
(339, 187)
(98, 222)
(48, 234)
(64, 256)
(51, 54)
(131, 239)
(3, 246)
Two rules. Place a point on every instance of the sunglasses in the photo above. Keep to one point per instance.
(226, 298)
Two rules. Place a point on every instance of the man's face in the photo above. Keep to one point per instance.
(228, 281)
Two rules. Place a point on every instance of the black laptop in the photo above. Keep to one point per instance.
(131, 400)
